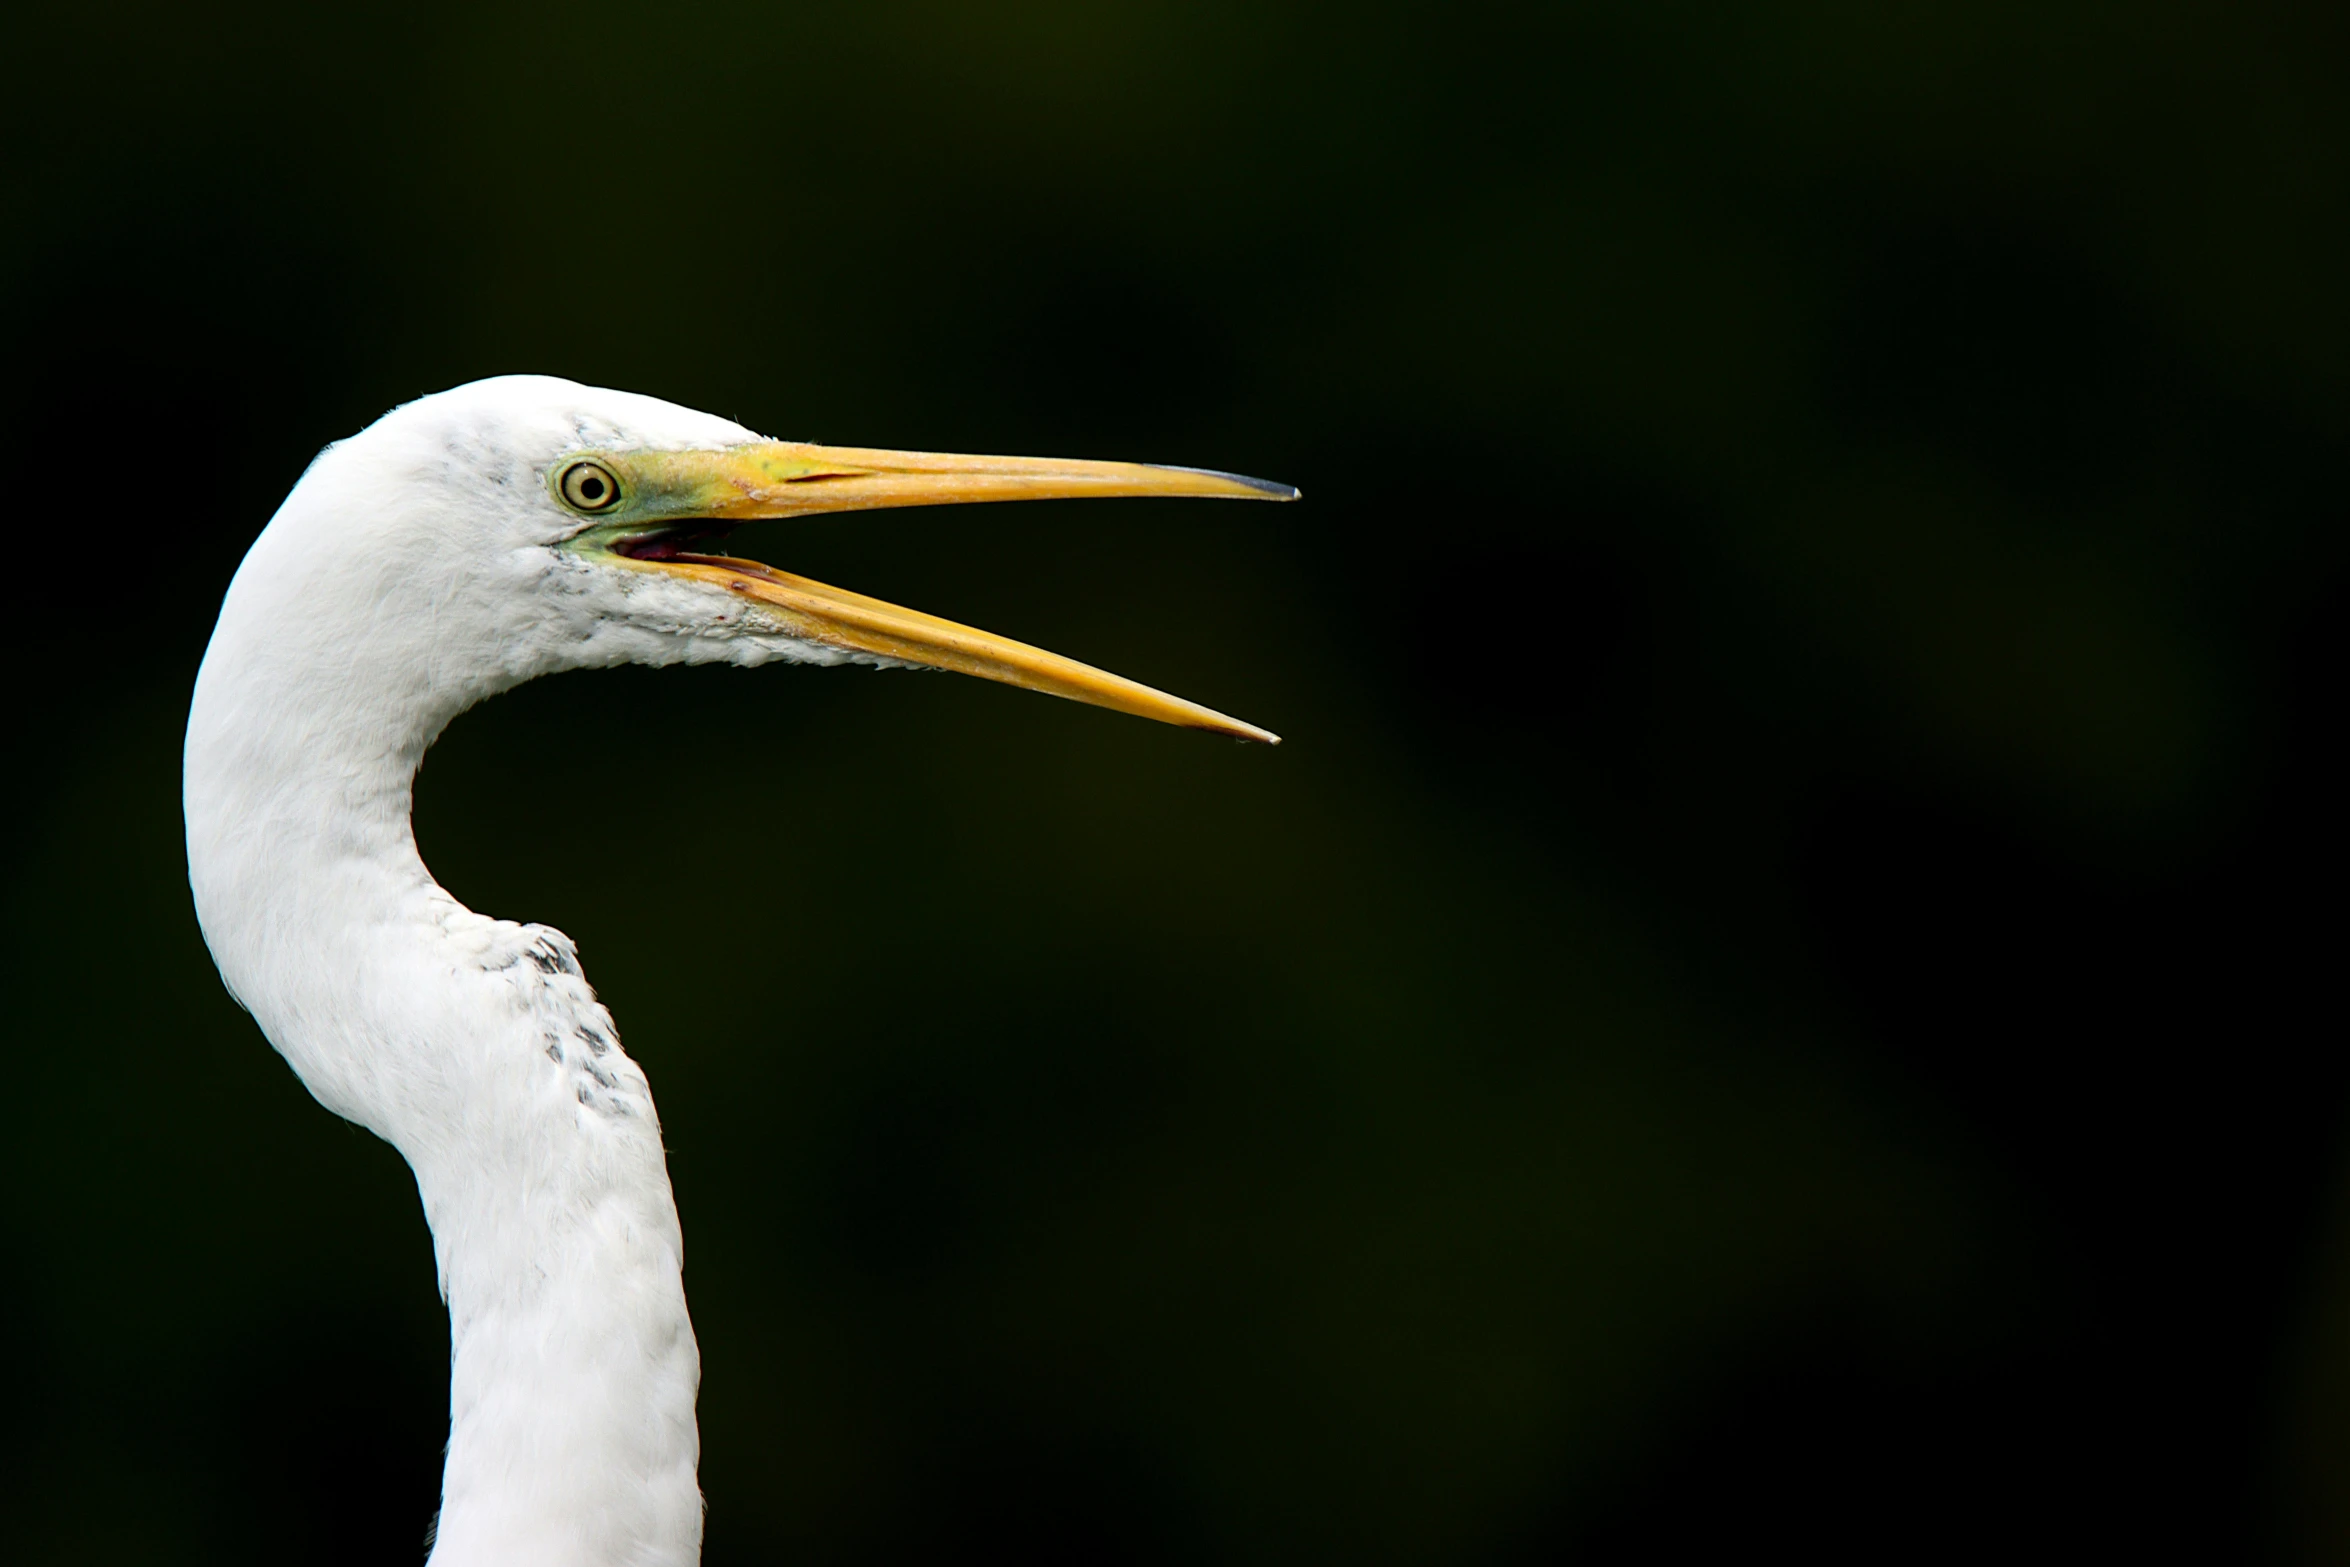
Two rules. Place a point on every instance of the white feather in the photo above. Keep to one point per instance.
(411, 573)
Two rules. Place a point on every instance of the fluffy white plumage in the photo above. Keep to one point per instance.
(410, 574)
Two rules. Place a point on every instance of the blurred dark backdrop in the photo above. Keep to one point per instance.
(1775, 995)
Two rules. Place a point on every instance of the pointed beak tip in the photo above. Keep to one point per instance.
(1250, 489)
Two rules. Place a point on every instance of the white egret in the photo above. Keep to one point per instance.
(459, 546)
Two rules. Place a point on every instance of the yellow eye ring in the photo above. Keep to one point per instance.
(588, 486)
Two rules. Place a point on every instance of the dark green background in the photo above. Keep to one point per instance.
(1782, 993)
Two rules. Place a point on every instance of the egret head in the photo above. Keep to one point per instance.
(456, 547)
(524, 525)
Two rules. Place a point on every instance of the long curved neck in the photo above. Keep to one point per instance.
(475, 1047)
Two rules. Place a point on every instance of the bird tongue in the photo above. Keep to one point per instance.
(671, 546)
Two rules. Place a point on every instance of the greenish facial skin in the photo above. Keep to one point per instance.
(638, 496)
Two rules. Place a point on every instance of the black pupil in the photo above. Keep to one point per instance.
(591, 488)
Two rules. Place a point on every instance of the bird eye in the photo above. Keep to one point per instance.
(589, 486)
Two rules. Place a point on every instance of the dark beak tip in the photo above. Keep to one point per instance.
(1266, 488)
(1262, 489)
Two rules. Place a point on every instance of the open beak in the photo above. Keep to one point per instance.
(680, 494)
